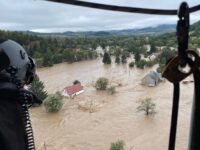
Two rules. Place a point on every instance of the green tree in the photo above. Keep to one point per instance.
(153, 48)
(48, 59)
(37, 55)
(106, 58)
(68, 55)
(124, 59)
(57, 58)
(101, 83)
(117, 52)
(132, 47)
(119, 145)
(103, 45)
(94, 46)
(137, 56)
(161, 68)
(147, 106)
(117, 60)
(126, 53)
(166, 55)
(37, 87)
(53, 102)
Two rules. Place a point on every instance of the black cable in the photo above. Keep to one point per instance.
(116, 8)
(195, 8)
(29, 138)
(26, 100)
(195, 121)
(123, 8)
(174, 118)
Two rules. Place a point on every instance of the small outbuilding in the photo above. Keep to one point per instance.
(152, 79)
(73, 90)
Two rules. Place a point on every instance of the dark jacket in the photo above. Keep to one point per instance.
(14, 117)
(12, 131)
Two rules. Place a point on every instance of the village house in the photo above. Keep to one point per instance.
(73, 90)
(76, 50)
(152, 79)
(147, 47)
(99, 50)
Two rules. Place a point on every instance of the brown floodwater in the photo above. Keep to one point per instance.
(94, 119)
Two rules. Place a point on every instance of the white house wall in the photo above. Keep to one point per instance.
(77, 93)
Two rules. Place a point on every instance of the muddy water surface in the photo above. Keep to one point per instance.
(93, 120)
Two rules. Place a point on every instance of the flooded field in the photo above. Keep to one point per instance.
(93, 120)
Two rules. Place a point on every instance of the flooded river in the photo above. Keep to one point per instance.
(94, 119)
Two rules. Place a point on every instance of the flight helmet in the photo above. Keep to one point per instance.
(15, 62)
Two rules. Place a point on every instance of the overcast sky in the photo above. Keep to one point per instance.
(43, 16)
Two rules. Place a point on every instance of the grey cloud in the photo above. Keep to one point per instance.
(43, 16)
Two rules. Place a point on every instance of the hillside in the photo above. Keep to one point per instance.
(195, 28)
(126, 32)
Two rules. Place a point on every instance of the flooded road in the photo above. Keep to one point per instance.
(94, 119)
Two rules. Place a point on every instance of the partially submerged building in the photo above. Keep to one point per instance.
(73, 90)
(152, 79)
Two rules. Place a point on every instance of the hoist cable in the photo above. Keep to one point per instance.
(124, 8)
(174, 117)
(195, 121)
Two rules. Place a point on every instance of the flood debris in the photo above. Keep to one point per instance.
(89, 106)
(187, 82)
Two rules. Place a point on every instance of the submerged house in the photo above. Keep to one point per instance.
(152, 79)
(73, 90)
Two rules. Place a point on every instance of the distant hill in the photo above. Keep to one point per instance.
(166, 28)
(195, 28)
(149, 30)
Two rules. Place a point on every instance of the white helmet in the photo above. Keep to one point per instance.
(15, 62)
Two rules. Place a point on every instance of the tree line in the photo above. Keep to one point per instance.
(49, 50)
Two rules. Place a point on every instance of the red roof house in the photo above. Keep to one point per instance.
(73, 90)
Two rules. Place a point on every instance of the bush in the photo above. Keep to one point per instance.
(161, 68)
(117, 60)
(53, 102)
(111, 90)
(131, 64)
(141, 64)
(101, 83)
(150, 63)
(147, 106)
(119, 145)
(76, 82)
(123, 59)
